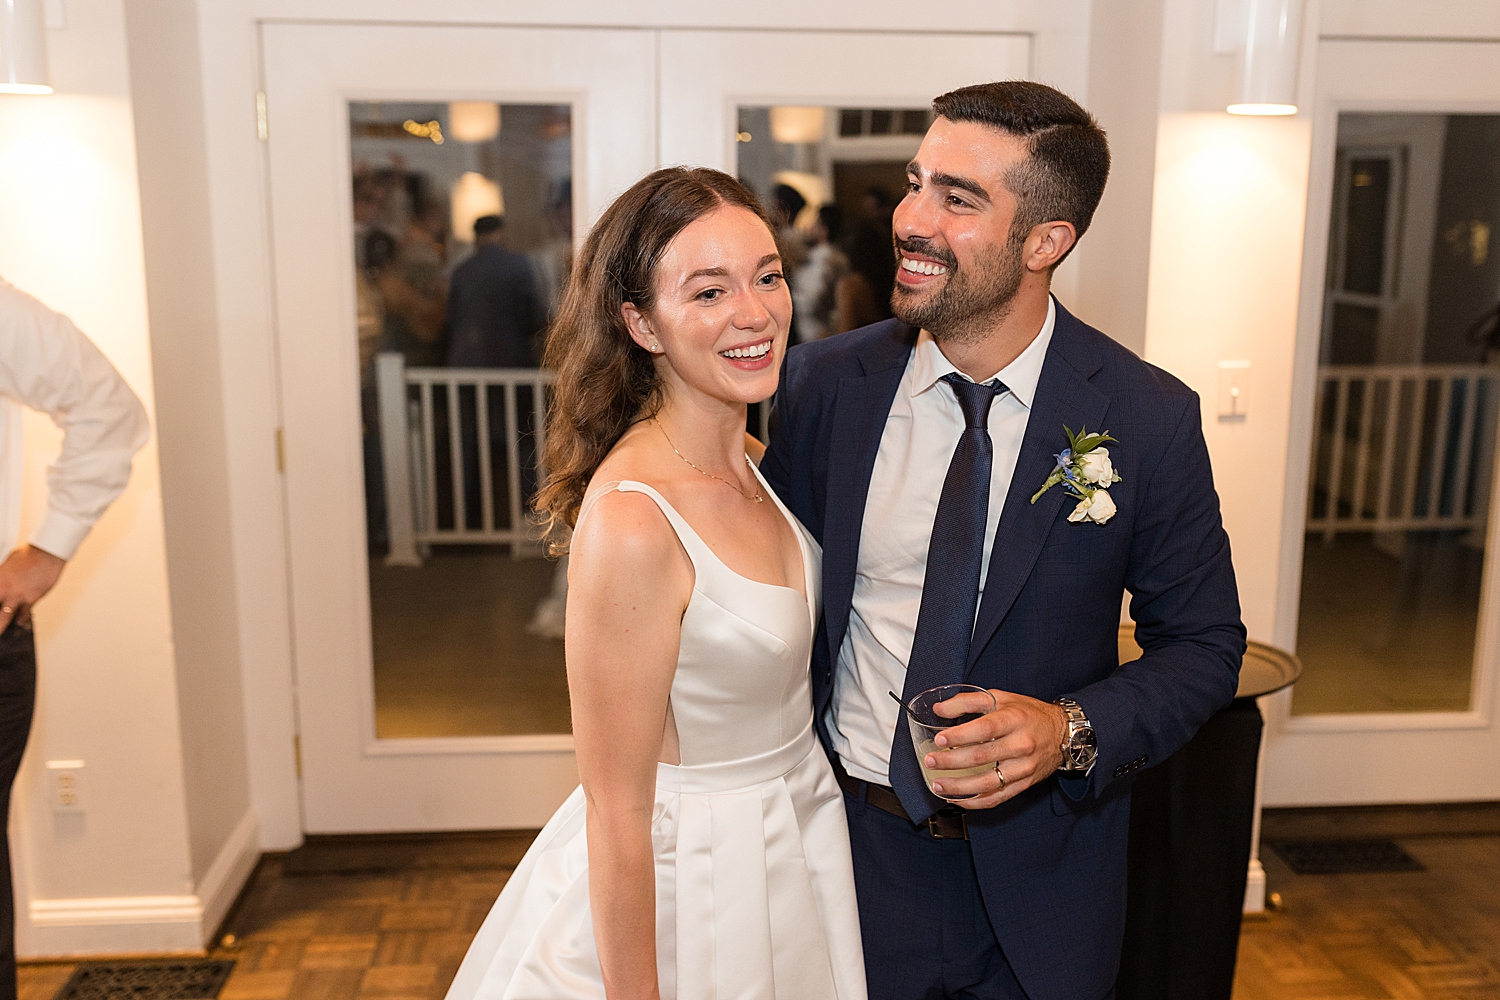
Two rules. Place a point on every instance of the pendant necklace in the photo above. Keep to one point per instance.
(748, 496)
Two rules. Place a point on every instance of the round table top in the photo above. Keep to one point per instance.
(1265, 669)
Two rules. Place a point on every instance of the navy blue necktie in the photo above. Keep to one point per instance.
(950, 589)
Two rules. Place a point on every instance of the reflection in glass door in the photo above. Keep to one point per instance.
(1405, 420)
(462, 222)
(830, 177)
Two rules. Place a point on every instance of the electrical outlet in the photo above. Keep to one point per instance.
(65, 785)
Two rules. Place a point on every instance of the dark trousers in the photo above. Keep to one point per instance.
(17, 699)
(927, 935)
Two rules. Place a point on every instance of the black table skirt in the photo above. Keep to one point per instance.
(1190, 820)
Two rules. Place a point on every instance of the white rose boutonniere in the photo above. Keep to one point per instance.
(1085, 471)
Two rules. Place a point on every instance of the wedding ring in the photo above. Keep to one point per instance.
(7, 611)
(1000, 776)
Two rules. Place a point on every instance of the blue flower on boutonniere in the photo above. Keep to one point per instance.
(1084, 470)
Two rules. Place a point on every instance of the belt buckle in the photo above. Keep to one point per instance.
(945, 825)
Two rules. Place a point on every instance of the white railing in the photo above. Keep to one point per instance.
(410, 443)
(1402, 447)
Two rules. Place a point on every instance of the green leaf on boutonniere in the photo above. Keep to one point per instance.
(1083, 442)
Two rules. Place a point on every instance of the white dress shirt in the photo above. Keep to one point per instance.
(920, 436)
(47, 363)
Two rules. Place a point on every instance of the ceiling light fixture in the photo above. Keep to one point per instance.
(23, 48)
(1266, 36)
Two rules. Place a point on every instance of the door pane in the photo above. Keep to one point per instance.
(463, 239)
(830, 179)
(1405, 434)
(1364, 234)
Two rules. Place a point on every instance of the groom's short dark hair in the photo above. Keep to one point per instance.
(1068, 157)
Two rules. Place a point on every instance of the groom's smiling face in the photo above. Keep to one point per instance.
(958, 263)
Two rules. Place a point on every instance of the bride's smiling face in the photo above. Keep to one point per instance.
(722, 309)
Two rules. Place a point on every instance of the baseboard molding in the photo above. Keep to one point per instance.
(221, 884)
(116, 925)
(1255, 888)
(1437, 819)
(63, 928)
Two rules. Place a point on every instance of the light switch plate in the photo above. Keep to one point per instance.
(1234, 391)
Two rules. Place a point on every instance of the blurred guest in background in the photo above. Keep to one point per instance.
(47, 364)
(495, 313)
(411, 316)
(786, 204)
(864, 295)
(814, 283)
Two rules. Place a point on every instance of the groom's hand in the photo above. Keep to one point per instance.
(1022, 735)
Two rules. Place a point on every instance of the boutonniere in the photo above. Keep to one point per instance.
(1084, 470)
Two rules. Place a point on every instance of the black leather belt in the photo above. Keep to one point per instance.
(948, 823)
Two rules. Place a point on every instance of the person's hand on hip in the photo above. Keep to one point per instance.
(25, 577)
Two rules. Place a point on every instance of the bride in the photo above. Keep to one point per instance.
(705, 854)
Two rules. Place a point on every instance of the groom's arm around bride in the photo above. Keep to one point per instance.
(973, 534)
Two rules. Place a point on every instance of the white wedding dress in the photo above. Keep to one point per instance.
(754, 885)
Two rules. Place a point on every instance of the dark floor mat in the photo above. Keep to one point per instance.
(1345, 857)
(185, 980)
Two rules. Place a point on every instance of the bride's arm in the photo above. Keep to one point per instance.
(629, 583)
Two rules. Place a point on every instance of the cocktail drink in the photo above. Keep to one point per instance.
(925, 724)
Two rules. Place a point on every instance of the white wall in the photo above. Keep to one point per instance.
(121, 875)
(168, 111)
(1225, 272)
(1113, 258)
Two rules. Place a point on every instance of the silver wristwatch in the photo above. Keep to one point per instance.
(1079, 747)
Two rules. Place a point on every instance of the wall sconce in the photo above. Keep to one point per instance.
(23, 48)
(1266, 35)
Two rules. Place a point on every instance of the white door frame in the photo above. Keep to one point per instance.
(352, 780)
(1394, 757)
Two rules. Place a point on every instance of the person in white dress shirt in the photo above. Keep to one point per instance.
(47, 364)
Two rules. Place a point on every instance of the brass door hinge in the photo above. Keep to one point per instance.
(297, 752)
(280, 450)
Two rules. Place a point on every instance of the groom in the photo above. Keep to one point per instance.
(915, 450)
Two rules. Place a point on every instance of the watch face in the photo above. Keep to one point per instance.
(1084, 735)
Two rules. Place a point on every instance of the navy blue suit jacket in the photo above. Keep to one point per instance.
(1051, 861)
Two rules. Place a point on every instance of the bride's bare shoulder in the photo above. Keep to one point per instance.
(625, 532)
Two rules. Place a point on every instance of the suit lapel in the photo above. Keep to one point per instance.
(1064, 397)
(859, 414)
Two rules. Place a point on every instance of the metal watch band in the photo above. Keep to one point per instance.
(1077, 721)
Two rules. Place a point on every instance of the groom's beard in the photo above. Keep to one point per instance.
(971, 302)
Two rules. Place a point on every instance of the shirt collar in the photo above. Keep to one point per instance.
(930, 364)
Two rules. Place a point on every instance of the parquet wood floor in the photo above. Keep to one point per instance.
(1432, 935)
(374, 919)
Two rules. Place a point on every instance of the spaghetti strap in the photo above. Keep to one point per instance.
(589, 501)
(698, 552)
(697, 549)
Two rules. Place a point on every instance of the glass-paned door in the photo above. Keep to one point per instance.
(427, 187)
(1395, 611)
(1404, 430)
(463, 219)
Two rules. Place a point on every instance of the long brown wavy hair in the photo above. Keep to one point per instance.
(605, 380)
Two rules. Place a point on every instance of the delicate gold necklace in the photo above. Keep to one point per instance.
(756, 496)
